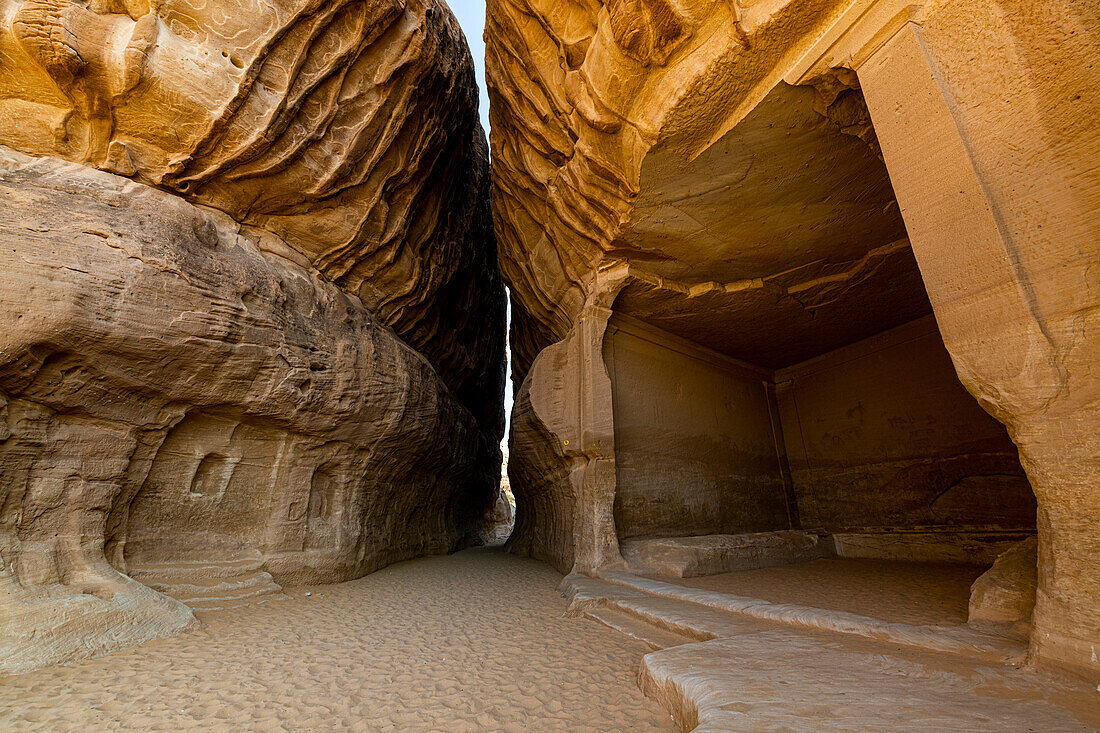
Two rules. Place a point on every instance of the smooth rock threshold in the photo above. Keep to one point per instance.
(729, 663)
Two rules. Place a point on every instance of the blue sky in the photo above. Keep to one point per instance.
(471, 16)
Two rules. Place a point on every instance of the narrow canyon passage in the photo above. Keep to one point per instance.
(781, 320)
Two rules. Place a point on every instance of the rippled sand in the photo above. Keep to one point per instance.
(470, 642)
(906, 592)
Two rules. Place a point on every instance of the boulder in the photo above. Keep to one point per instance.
(1005, 594)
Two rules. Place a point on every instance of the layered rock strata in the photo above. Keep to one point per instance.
(253, 331)
(771, 200)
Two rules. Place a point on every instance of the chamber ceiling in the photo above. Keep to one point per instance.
(781, 241)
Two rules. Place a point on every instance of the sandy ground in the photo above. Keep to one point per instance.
(906, 592)
(470, 642)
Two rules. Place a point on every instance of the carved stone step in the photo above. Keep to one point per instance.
(211, 585)
(636, 628)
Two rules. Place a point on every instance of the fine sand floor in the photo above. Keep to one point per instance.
(470, 642)
(905, 592)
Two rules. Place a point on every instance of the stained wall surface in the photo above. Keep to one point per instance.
(694, 446)
(882, 434)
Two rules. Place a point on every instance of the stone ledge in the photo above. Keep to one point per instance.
(689, 557)
(980, 547)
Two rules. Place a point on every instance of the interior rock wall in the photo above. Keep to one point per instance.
(256, 321)
(881, 434)
(694, 444)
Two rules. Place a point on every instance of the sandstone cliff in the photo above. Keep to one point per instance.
(265, 338)
(727, 227)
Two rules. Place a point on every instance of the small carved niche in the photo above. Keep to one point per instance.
(211, 476)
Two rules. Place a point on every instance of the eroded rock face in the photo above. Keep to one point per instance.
(265, 338)
(620, 147)
(825, 204)
(344, 129)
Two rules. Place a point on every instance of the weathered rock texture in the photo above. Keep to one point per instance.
(759, 254)
(264, 340)
(1005, 594)
(689, 557)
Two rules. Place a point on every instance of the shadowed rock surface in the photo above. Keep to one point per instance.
(263, 342)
